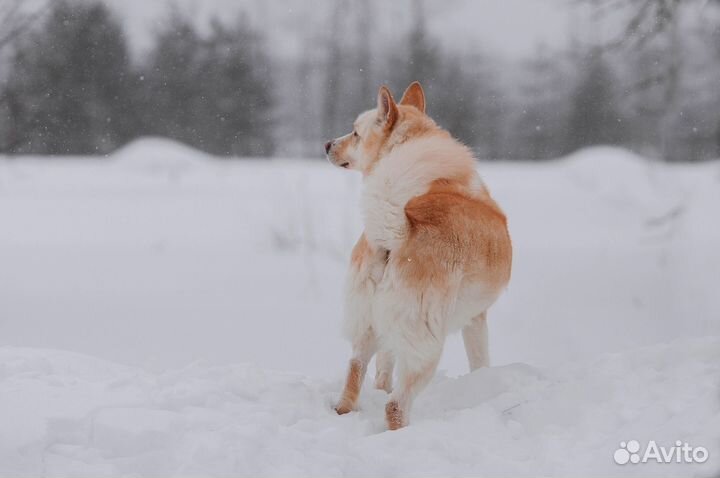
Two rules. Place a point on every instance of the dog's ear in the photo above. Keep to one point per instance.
(386, 107)
(414, 96)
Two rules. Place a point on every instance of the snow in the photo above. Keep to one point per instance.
(167, 313)
(70, 414)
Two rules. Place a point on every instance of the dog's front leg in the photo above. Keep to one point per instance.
(366, 269)
(384, 362)
(364, 347)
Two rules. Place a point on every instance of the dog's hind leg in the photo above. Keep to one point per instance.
(415, 331)
(363, 347)
(413, 375)
(475, 336)
(384, 362)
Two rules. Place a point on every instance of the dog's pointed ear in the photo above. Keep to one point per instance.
(386, 107)
(414, 96)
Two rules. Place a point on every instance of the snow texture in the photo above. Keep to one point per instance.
(205, 278)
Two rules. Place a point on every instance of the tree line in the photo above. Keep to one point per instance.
(71, 86)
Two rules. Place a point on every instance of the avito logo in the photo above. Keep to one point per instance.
(629, 452)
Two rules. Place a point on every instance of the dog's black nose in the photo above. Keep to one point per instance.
(328, 145)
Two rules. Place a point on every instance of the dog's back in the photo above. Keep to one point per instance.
(426, 204)
(446, 236)
(453, 229)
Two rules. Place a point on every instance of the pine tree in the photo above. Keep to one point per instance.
(69, 81)
(213, 93)
(462, 96)
(239, 93)
(540, 124)
(595, 116)
(172, 83)
(349, 83)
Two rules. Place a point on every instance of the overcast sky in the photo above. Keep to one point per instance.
(504, 27)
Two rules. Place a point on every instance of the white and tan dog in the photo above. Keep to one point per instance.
(434, 255)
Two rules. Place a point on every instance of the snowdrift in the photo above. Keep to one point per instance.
(184, 269)
(66, 414)
(159, 154)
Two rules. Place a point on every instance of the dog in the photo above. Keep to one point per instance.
(434, 255)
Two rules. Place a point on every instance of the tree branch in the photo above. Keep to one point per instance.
(14, 23)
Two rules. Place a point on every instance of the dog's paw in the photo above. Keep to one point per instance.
(343, 407)
(394, 416)
(383, 382)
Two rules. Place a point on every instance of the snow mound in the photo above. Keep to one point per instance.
(159, 154)
(67, 414)
(620, 177)
(609, 157)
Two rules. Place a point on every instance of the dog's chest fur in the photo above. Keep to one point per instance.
(387, 191)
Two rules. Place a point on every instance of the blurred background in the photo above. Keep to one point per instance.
(163, 196)
(515, 79)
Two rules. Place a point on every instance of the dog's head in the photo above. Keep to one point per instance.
(377, 131)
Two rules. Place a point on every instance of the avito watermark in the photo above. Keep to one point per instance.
(629, 452)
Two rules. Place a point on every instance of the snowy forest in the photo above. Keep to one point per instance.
(175, 250)
(642, 74)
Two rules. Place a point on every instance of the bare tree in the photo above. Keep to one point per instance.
(647, 19)
(334, 70)
(653, 27)
(16, 18)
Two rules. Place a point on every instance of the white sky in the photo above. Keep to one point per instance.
(502, 27)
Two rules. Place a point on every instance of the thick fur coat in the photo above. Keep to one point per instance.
(435, 253)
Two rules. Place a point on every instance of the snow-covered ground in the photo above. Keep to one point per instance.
(217, 285)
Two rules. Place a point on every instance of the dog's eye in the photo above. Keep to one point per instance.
(355, 134)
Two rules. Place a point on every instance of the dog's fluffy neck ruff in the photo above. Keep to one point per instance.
(405, 131)
(408, 170)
